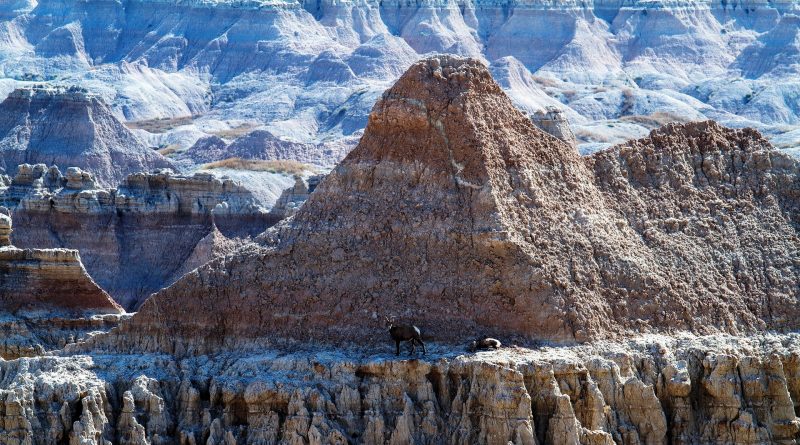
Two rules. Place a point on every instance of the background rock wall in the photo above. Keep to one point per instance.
(136, 238)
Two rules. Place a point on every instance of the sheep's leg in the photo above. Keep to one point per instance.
(419, 340)
(397, 344)
(413, 349)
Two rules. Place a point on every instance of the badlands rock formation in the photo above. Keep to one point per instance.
(124, 234)
(553, 121)
(455, 211)
(46, 297)
(310, 71)
(648, 391)
(70, 128)
(5, 228)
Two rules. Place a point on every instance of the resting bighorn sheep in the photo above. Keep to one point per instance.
(404, 332)
(485, 343)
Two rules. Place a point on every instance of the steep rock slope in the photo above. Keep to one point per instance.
(455, 211)
(719, 211)
(69, 128)
(136, 238)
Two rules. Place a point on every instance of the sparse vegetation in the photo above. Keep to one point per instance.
(169, 149)
(545, 81)
(235, 132)
(274, 166)
(160, 125)
(589, 136)
(654, 120)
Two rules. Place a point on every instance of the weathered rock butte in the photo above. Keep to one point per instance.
(457, 212)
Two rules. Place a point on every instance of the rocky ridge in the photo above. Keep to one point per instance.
(455, 211)
(261, 144)
(70, 128)
(121, 231)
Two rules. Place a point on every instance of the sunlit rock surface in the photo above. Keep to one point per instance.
(651, 390)
(46, 298)
(455, 211)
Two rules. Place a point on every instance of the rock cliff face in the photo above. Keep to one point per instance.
(46, 296)
(122, 232)
(455, 211)
(70, 128)
(653, 390)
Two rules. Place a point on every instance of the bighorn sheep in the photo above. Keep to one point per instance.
(404, 332)
(484, 343)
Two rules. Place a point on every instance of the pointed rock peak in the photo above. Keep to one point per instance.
(448, 113)
(442, 77)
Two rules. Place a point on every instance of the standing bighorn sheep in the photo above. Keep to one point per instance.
(404, 332)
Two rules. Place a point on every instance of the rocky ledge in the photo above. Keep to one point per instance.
(649, 390)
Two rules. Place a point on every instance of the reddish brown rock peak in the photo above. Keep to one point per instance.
(448, 113)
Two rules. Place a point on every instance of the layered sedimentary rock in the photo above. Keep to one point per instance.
(456, 212)
(655, 390)
(70, 128)
(311, 70)
(134, 239)
(292, 198)
(45, 297)
(5, 227)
